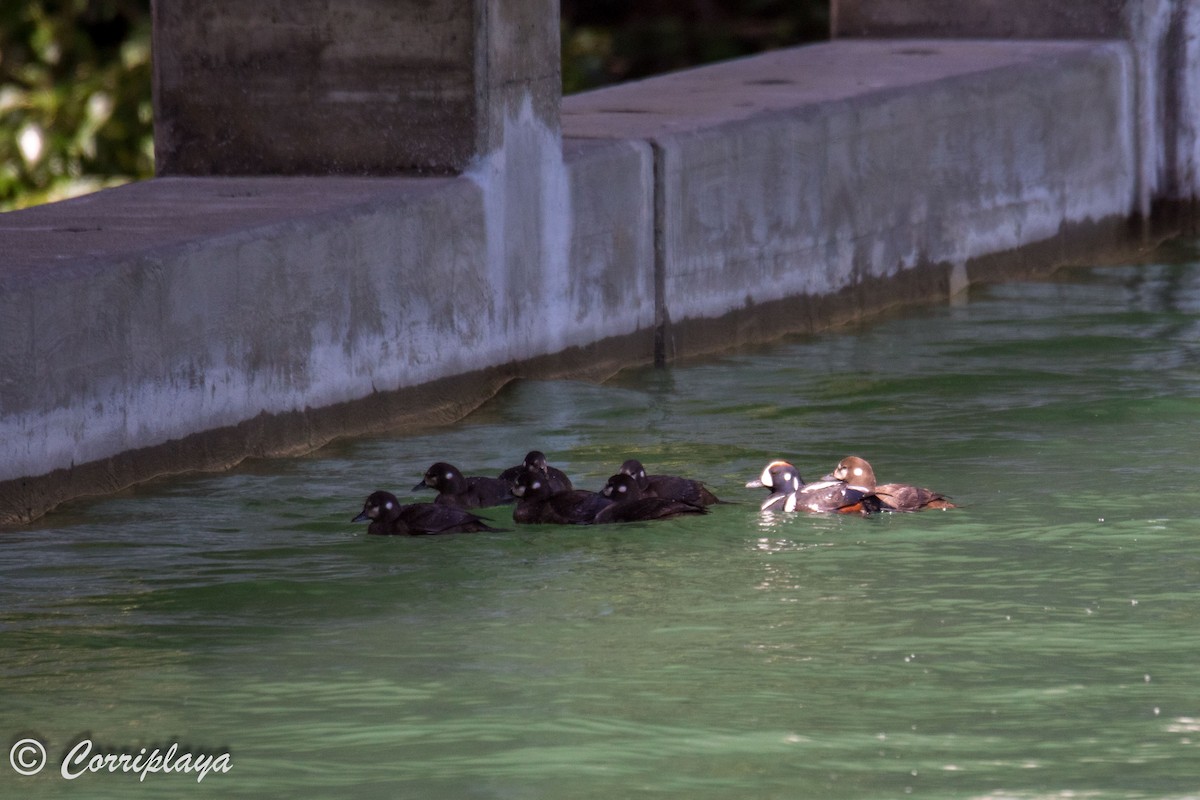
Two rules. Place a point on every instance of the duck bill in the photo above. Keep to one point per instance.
(421, 485)
(362, 517)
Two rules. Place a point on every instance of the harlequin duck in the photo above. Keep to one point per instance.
(857, 473)
(537, 503)
(790, 493)
(536, 461)
(389, 517)
(455, 489)
(670, 487)
(630, 505)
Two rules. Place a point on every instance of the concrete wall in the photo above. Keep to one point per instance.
(804, 171)
(182, 307)
(188, 323)
(313, 87)
(1164, 40)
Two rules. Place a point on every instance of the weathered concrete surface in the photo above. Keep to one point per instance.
(135, 320)
(1163, 36)
(188, 323)
(313, 87)
(804, 171)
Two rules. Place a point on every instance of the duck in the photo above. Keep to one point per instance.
(789, 492)
(670, 487)
(858, 473)
(455, 489)
(629, 504)
(536, 460)
(389, 517)
(538, 503)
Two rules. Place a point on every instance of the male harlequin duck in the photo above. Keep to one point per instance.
(857, 473)
(670, 487)
(790, 493)
(537, 503)
(389, 518)
(455, 489)
(630, 505)
(535, 460)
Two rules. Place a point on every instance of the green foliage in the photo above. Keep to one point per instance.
(75, 107)
(609, 41)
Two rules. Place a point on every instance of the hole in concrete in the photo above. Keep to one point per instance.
(915, 51)
(769, 82)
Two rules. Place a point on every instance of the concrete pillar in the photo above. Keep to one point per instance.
(287, 87)
(1164, 37)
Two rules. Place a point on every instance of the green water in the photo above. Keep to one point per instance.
(1043, 641)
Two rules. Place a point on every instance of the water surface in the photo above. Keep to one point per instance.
(1042, 641)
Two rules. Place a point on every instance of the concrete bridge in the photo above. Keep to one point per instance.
(373, 215)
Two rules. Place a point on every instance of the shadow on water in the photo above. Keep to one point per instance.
(1038, 642)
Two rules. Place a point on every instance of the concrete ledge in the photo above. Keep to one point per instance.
(190, 323)
(1162, 35)
(805, 171)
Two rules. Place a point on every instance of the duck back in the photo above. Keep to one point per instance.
(389, 517)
